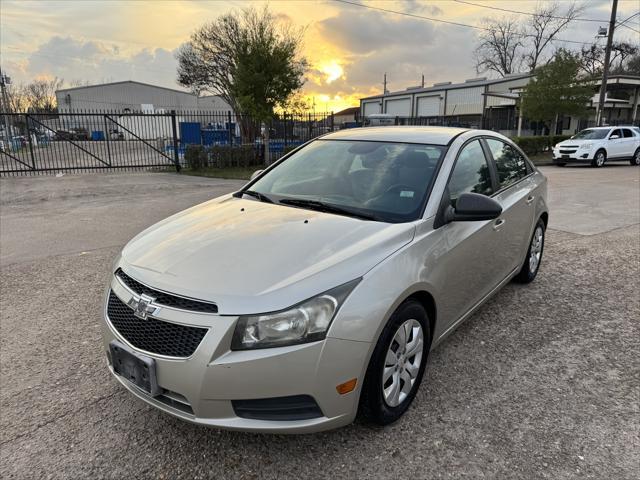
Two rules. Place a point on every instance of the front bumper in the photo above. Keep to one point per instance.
(577, 156)
(201, 388)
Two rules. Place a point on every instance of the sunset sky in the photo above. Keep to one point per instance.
(348, 47)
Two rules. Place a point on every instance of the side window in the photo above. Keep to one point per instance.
(510, 164)
(627, 133)
(471, 173)
(616, 132)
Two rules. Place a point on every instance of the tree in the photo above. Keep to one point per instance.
(621, 60)
(499, 47)
(510, 45)
(557, 90)
(543, 27)
(41, 95)
(247, 58)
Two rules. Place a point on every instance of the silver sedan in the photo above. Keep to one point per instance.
(316, 292)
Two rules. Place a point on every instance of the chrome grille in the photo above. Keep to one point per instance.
(166, 299)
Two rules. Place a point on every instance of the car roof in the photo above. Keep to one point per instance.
(428, 135)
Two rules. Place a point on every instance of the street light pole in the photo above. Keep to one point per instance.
(607, 57)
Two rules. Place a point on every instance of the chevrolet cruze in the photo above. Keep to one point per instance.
(316, 292)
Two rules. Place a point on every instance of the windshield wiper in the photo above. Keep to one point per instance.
(252, 193)
(327, 208)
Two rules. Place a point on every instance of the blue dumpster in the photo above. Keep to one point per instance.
(190, 133)
(97, 135)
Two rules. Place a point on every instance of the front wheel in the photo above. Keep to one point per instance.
(635, 160)
(599, 159)
(534, 255)
(397, 365)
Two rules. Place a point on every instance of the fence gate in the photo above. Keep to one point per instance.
(77, 142)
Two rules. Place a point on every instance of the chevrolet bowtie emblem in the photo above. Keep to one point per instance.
(142, 306)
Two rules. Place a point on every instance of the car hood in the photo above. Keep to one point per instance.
(573, 143)
(254, 257)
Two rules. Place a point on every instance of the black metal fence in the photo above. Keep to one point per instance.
(84, 141)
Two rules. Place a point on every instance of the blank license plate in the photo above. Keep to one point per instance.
(137, 369)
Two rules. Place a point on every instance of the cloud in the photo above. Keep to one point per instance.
(93, 62)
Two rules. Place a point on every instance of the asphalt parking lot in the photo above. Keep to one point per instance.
(542, 382)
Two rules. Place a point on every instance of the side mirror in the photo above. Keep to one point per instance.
(473, 207)
(256, 174)
(614, 137)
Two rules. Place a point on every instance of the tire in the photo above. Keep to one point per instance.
(531, 265)
(378, 404)
(599, 158)
(635, 160)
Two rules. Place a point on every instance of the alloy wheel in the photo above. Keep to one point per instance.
(636, 157)
(600, 159)
(535, 252)
(402, 363)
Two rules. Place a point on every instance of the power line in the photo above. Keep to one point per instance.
(439, 20)
(556, 17)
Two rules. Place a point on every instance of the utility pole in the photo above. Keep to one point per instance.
(384, 84)
(422, 83)
(607, 57)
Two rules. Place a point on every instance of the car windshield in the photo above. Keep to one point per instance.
(591, 134)
(371, 180)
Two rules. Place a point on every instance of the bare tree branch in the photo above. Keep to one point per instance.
(499, 48)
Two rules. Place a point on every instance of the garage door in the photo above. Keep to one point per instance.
(429, 106)
(400, 107)
(371, 108)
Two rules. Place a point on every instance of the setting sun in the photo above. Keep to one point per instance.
(332, 70)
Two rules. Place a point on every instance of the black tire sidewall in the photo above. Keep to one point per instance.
(525, 275)
(372, 404)
(594, 163)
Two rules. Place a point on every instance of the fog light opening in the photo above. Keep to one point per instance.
(347, 387)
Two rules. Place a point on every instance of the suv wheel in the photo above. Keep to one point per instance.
(599, 159)
(397, 365)
(534, 255)
(635, 160)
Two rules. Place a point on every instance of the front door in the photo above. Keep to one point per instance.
(516, 195)
(467, 268)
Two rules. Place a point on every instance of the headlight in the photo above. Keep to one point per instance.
(586, 146)
(305, 322)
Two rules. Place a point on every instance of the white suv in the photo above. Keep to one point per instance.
(598, 145)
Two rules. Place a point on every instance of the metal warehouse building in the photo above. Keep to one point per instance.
(493, 104)
(134, 96)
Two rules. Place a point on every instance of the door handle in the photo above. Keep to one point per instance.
(499, 223)
(530, 199)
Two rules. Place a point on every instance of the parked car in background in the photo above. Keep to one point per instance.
(600, 145)
(318, 289)
(72, 134)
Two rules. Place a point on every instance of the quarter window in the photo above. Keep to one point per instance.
(471, 173)
(510, 164)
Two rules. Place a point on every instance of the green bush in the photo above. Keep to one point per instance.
(224, 156)
(196, 157)
(536, 145)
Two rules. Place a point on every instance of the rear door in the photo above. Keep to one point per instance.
(628, 142)
(516, 195)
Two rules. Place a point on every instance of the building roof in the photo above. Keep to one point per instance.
(429, 135)
(348, 111)
(121, 83)
(438, 87)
